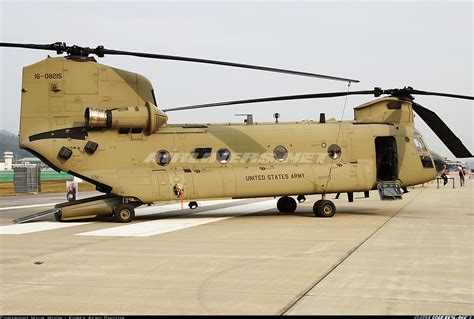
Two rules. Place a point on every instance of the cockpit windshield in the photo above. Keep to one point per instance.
(419, 144)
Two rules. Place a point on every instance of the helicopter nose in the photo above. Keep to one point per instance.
(439, 162)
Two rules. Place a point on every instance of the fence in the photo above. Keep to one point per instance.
(26, 179)
(49, 175)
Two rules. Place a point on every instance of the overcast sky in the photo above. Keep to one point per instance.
(426, 45)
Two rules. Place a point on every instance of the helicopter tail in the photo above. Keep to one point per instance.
(59, 95)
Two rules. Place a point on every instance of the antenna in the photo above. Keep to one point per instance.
(248, 120)
(276, 116)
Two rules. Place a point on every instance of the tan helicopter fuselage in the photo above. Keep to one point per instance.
(58, 91)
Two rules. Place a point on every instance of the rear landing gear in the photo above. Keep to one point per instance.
(286, 204)
(124, 213)
(324, 208)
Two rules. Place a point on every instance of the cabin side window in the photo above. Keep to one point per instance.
(223, 155)
(280, 153)
(163, 157)
(334, 151)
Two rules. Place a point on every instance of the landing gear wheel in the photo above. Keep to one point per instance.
(193, 205)
(324, 208)
(58, 216)
(286, 204)
(124, 213)
(301, 198)
(315, 206)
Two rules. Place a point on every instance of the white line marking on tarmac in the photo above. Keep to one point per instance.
(35, 227)
(27, 206)
(155, 227)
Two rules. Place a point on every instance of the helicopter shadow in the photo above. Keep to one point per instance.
(302, 212)
(198, 215)
(305, 212)
(308, 211)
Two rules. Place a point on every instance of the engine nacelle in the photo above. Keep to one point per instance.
(148, 117)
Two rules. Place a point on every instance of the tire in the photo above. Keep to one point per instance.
(286, 205)
(193, 205)
(70, 196)
(124, 213)
(315, 206)
(325, 208)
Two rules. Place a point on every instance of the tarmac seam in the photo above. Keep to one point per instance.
(289, 306)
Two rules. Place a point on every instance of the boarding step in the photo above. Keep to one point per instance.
(389, 190)
(36, 216)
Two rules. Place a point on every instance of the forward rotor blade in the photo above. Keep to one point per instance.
(270, 99)
(401, 93)
(457, 96)
(452, 142)
(101, 51)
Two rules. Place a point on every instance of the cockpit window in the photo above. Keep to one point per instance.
(420, 146)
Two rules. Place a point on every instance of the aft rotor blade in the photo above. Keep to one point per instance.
(26, 46)
(101, 51)
(270, 99)
(231, 64)
(452, 142)
(58, 46)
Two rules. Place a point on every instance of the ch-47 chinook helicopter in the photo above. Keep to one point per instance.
(102, 124)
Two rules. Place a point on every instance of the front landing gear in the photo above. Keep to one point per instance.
(324, 208)
(286, 204)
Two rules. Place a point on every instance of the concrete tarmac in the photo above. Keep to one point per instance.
(412, 256)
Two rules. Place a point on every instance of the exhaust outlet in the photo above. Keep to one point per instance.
(97, 118)
(148, 118)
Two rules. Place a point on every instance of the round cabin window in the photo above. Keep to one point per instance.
(163, 157)
(334, 151)
(280, 153)
(223, 155)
